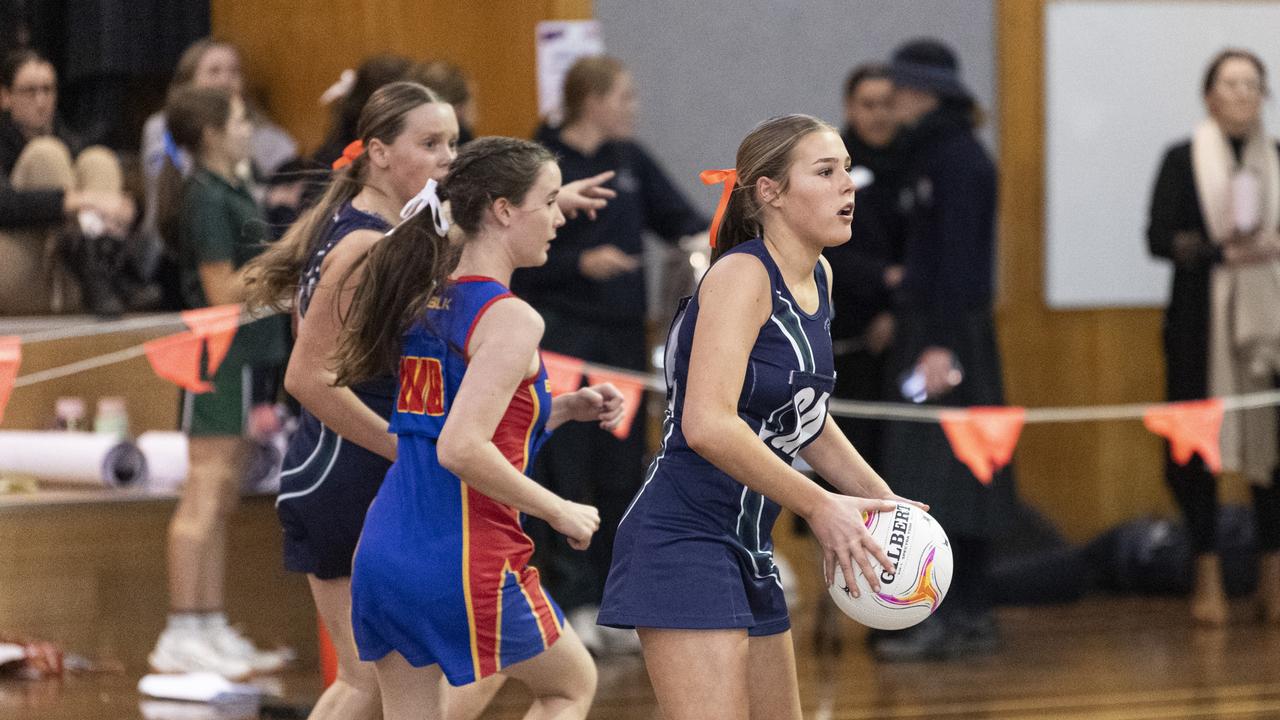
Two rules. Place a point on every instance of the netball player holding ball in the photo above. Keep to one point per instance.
(749, 374)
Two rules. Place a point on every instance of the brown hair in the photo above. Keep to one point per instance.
(15, 61)
(764, 152)
(862, 73)
(271, 279)
(446, 78)
(589, 77)
(372, 74)
(1215, 66)
(406, 268)
(189, 60)
(189, 111)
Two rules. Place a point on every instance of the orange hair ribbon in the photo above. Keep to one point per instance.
(353, 150)
(730, 179)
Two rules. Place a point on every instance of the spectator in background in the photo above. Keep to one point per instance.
(211, 63)
(46, 177)
(217, 228)
(591, 294)
(1215, 213)
(944, 320)
(868, 268)
(452, 84)
(372, 74)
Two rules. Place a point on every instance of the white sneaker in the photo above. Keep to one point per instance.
(188, 651)
(232, 644)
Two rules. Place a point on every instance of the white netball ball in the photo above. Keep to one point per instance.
(913, 589)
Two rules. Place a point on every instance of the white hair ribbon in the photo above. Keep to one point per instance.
(427, 197)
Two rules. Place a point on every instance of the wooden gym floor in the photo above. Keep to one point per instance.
(90, 576)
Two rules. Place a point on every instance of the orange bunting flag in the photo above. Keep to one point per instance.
(217, 325)
(1190, 427)
(983, 438)
(177, 358)
(730, 179)
(10, 359)
(564, 373)
(632, 389)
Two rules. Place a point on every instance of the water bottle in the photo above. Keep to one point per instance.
(112, 418)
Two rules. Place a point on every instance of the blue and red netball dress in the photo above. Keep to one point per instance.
(694, 549)
(327, 483)
(442, 574)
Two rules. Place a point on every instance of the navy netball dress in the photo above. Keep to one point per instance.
(327, 482)
(694, 549)
(442, 575)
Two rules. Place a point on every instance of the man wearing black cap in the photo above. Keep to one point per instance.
(946, 337)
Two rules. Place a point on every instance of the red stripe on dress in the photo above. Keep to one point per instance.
(486, 574)
(546, 617)
(466, 344)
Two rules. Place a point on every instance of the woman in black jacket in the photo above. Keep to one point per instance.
(944, 322)
(1195, 224)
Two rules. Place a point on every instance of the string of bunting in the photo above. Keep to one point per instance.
(983, 438)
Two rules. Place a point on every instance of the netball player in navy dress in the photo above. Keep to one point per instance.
(749, 373)
(441, 582)
(341, 450)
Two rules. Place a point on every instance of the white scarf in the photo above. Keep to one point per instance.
(1244, 314)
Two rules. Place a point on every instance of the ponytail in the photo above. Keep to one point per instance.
(764, 152)
(271, 279)
(413, 262)
(401, 272)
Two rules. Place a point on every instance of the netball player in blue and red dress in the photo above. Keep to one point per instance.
(749, 373)
(441, 581)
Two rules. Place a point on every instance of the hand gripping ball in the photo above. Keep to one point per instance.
(911, 590)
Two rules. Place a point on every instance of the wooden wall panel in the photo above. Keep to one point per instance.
(152, 403)
(294, 50)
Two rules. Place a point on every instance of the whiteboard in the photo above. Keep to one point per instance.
(1122, 84)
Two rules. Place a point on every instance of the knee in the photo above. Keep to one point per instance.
(43, 162)
(190, 528)
(97, 168)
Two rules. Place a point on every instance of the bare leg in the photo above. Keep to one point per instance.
(698, 674)
(1208, 598)
(27, 276)
(771, 671)
(562, 679)
(354, 695)
(197, 532)
(408, 693)
(468, 701)
(97, 168)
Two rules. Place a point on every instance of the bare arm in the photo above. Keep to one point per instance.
(221, 283)
(735, 301)
(601, 403)
(310, 378)
(501, 349)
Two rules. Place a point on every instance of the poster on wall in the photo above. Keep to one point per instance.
(559, 44)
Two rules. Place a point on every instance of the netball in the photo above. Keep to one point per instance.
(913, 589)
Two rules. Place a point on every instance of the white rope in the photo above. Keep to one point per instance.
(656, 383)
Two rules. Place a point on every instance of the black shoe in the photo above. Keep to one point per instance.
(926, 641)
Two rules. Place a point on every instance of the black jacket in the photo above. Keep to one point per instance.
(647, 200)
(858, 266)
(946, 300)
(1175, 207)
(12, 141)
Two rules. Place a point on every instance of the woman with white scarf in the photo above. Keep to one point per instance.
(1215, 213)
